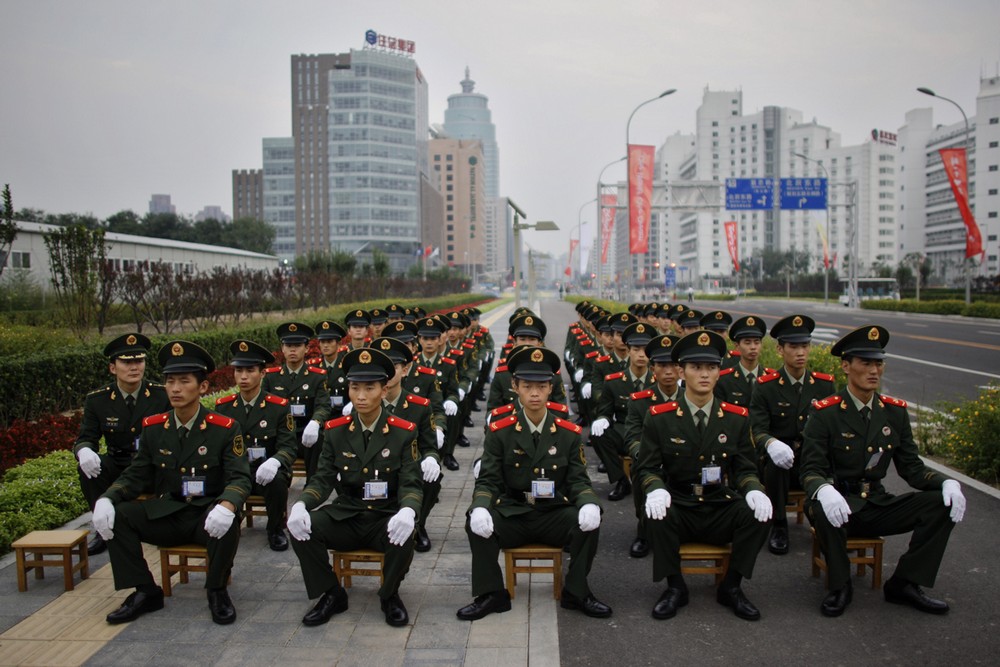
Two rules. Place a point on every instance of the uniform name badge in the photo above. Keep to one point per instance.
(135, 444)
(376, 489)
(193, 487)
(711, 475)
(543, 488)
(298, 410)
(256, 453)
(336, 401)
(873, 461)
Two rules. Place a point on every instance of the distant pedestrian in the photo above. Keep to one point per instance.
(690, 294)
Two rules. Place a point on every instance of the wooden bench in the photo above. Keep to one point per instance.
(299, 468)
(347, 564)
(254, 507)
(698, 552)
(531, 553)
(860, 547)
(58, 543)
(797, 503)
(185, 554)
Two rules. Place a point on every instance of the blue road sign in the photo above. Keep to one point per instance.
(670, 277)
(798, 194)
(749, 194)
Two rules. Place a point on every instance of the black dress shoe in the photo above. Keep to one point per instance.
(589, 605)
(481, 396)
(463, 440)
(96, 545)
(221, 606)
(136, 604)
(911, 594)
(601, 467)
(639, 548)
(496, 602)
(332, 602)
(778, 542)
(277, 541)
(668, 604)
(449, 462)
(836, 601)
(622, 488)
(468, 424)
(475, 408)
(735, 598)
(395, 612)
(422, 543)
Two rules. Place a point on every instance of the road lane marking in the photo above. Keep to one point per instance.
(945, 366)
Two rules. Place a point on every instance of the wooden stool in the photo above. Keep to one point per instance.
(697, 551)
(254, 507)
(797, 503)
(533, 552)
(184, 566)
(58, 543)
(861, 557)
(627, 465)
(299, 468)
(345, 565)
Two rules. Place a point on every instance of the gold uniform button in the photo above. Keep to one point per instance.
(535, 470)
(517, 465)
(554, 466)
(724, 455)
(869, 449)
(864, 495)
(701, 458)
(345, 467)
(182, 470)
(364, 470)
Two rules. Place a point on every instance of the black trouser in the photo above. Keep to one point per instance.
(111, 467)
(610, 448)
(431, 492)
(275, 495)
(777, 482)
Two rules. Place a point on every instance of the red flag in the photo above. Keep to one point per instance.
(734, 243)
(640, 196)
(607, 223)
(955, 166)
(427, 251)
(568, 271)
(573, 243)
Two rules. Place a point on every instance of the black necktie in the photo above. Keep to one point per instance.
(247, 406)
(700, 419)
(367, 435)
(182, 432)
(866, 414)
(534, 437)
(130, 402)
(750, 378)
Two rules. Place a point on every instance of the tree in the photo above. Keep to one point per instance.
(250, 234)
(77, 260)
(8, 228)
(125, 222)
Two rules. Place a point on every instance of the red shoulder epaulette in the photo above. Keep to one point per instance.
(767, 378)
(558, 407)
(343, 348)
(735, 409)
(568, 425)
(502, 369)
(663, 407)
(339, 421)
(727, 371)
(898, 402)
(368, 339)
(575, 329)
(645, 393)
(478, 334)
(226, 399)
(734, 353)
(449, 360)
(469, 346)
(586, 343)
(502, 410)
(316, 369)
(827, 402)
(484, 329)
(591, 354)
(502, 423)
(508, 346)
(426, 371)
(273, 369)
(601, 360)
(822, 376)
(277, 400)
(457, 352)
(419, 400)
(614, 376)
(314, 361)
(152, 420)
(219, 420)
(399, 422)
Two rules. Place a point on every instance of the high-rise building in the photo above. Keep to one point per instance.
(161, 204)
(212, 212)
(248, 193)
(458, 166)
(278, 186)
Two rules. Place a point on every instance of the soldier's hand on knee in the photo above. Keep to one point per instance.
(589, 517)
(104, 518)
(90, 462)
(481, 522)
(400, 526)
(599, 426)
(834, 506)
(299, 522)
(781, 454)
(267, 470)
(218, 521)
(431, 469)
(657, 502)
(761, 505)
(951, 491)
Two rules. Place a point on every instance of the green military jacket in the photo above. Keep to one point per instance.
(213, 450)
(613, 404)
(511, 461)
(308, 388)
(779, 410)
(106, 415)
(638, 407)
(502, 388)
(446, 370)
(838, 448)
(603, 366)
(417, 409)
(269, 424)
(733, 386)
(345, 463)
(423, 381)
(672, 453)
(336, 383)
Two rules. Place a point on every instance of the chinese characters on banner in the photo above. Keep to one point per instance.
(640, 196)
(955, 166)
(607, 223)
(733, 242)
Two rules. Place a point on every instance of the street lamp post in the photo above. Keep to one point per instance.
(542, 226)
(968, 162)
(600, 226)
(826, 269)
(579, 237)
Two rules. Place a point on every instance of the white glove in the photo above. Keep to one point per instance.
(450, 408)
(400, 526)
(481, 522)
(267, 470)
(461, 394)
(310, 434)
(599, 426)
(440, 437)
(346, 410)
(90, 462)
(299, 522)
(781, 454)
(761, 505)
(834, 505)
(431, 468)
(585, 390)
(104, 518)
(952, 493)
(589, 517)
(218, 521)
(657, 502)
(578, 375)
(475, 468)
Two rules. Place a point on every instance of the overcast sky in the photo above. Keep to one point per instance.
(106, 102)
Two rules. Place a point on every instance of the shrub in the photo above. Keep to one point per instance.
(970, 435)
(23, 440)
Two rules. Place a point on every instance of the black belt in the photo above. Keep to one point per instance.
(864, 488)
(359, 493)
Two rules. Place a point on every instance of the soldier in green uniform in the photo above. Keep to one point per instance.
(328, 336)
(115, 412)
(430, 331)
(737, 383)
(778, 411)
(268, 434)
(696, 459)
(849, 440)
(371, 458)
(420, 380)
(358, 329)
(690, 321)
(195, 462)
(533, 487)
(305, 388)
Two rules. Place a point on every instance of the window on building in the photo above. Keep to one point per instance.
(994, 121)
(994, 144)
(448, 158)
(993, 167)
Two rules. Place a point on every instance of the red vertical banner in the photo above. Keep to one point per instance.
(956, 167)
(640, 196)
(733, 241)
(573, 243)
(607, 223)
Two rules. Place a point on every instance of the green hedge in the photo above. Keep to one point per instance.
(940, 307)
(967, 434)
